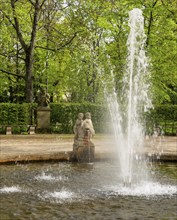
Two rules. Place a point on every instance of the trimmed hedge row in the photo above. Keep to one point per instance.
(20, 115)
(64, 115)
(164, 117)
(17, 114)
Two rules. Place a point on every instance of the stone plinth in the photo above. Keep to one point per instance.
(83, 150)
(85, 153)
(43, 117)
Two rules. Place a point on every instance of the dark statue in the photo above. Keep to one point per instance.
(43, 98)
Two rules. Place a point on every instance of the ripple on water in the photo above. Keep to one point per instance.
(148, 189)
(59, 196)
(49, 177)
(12, 189)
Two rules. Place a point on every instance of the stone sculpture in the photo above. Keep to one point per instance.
(83, 147)
(43, 98)
(87, 125)
(78, 131)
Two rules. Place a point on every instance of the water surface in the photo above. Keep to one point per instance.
(85, 191)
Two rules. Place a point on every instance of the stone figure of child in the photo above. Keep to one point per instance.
(83, 148)
(78, 127)
(87, 124)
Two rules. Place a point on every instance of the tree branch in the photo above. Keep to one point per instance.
(62, 46)
(13, 74)
(31, 2)
(150, 23)
(34, 26)
(9, 56)
(67, 43)
(154, 3)
(42, 4)
(8, 18)
(46, 48)
(17, 26)
(172, 12)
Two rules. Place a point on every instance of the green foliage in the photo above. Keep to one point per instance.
(64, 115)
(168, 112)
(67, 60)
(16, 114)
(163, 117)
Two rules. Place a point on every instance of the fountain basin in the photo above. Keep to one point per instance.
(37, 148)
(85, 191)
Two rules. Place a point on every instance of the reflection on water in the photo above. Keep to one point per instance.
(85, 191)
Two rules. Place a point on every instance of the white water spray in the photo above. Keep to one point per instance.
(126, 112)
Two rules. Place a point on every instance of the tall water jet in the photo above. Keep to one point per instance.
(127, 108)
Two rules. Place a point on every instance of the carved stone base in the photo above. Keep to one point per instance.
(84, 152)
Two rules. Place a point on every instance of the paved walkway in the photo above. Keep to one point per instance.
(38, 147)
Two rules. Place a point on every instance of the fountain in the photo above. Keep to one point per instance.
(97, 190)
(126, 109)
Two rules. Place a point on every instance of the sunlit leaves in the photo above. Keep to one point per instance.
(74, 39)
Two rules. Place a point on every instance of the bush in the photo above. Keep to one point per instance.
(16, 114)
(64, 115)
(164, 117)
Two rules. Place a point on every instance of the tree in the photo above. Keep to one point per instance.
(27, 43)
(29, 22)
(28, 47)
(161, 45)
(65, 45)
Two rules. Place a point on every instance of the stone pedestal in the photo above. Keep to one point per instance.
(43, 117)
(85, 154)
(83, 150)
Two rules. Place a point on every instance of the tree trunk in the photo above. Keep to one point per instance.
(29, 78)
(29, 56)
(28, 47)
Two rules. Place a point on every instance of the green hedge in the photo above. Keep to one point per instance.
(167, 112)
(164, 117)
(64, 115)
(17, 114)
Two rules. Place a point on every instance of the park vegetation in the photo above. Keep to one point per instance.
(69, 48)
(59, 45)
